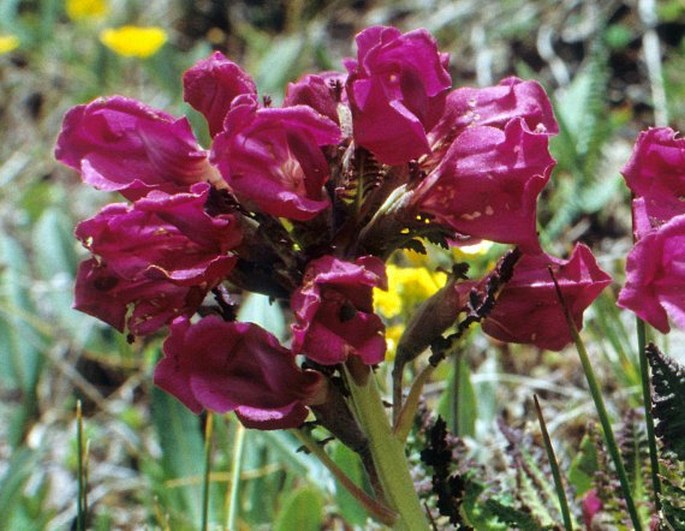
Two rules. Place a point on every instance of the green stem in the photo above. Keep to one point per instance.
(406, 415)
(209, 429)
(649, 420)
(596, 393)
(233, 491)
(387, 451)
(558, 483)
(379, 511)
(80, 504)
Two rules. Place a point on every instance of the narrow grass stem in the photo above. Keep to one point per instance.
(209, 431)
(234, 488)
(596, 393)
(556, 474)
(81, 501)
(649, 419)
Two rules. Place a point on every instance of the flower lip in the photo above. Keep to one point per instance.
(528, 310)
(120, 144)
(230, 366)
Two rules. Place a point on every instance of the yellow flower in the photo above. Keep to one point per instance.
(392, 338)
(407, 287)
(86, 9)
(134, 41)
(8, 43)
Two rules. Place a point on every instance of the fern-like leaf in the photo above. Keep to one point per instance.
(668, 381)
(673, 493)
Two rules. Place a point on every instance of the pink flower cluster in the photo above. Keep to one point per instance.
(655, 268)
(471, 162)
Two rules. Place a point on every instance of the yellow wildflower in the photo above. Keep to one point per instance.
(86, 9)
(134, 41)
(392, 338)
(407, 288)
(8, 43)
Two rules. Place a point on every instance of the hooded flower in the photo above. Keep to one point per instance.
(334, 311)
(161, 256)
(119, 144)
(322, 92)
(212, 84)
(528, 309)
(496, 106)
(655, 276)
(487, 184)
(397, 88)
(229, 366)
(272, 158)
(655, 174)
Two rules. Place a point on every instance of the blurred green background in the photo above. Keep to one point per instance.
(612, 68)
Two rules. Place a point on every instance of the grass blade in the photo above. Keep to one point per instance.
(558, 483)
(596, 393)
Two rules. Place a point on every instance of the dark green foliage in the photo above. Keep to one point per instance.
(673, 493)
(516, 518)
(668, 381)
(632, 442)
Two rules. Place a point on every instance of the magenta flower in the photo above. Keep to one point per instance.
(212, 84)
(334, 311)
(488, 182)
(161, 255)
(397, 89)
(228, 366)
(318, 92)
(655, 276)
(528, 310)
(119, 144)
(591, 506)
(272, 158)
(495, 106)
(655, 174)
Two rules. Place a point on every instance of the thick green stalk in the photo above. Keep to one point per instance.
(387, 451)
(649, 420)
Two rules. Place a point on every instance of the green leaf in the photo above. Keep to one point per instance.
(668, 382)
(351, 510)
(458, 404)
(19, 337)
(302, 510)
(583, 466)
(56, 261)
(673, 492)
(282, 63)
(513, 517)
(182, 449)
(18, 470)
